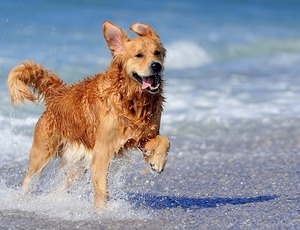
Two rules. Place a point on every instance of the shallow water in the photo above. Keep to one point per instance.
(239, 175)
(232, 115)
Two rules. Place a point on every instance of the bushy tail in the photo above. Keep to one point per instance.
(30, 75)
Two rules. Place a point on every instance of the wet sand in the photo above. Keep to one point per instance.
(227, 175)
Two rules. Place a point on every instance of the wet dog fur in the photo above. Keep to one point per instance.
(102, 115)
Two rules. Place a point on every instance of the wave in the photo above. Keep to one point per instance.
(186, 54)
(264, 47)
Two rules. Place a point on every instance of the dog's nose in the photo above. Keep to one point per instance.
(155, 67)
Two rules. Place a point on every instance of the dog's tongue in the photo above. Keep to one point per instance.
(147, 82)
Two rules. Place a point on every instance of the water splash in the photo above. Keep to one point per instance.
(75, 203)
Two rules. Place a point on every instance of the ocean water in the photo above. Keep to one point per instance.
(232, 113)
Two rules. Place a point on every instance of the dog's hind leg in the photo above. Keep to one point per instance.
(44, 147)
(73, 173)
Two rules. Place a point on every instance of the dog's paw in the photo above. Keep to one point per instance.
(158, 161)
(156, 154)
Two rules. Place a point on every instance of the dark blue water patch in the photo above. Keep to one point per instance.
(42, 29)
(169, 202)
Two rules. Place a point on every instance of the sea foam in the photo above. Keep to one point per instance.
(186, 54)
(75, 203)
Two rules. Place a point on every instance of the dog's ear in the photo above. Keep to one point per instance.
(143, 29)
(114, 37)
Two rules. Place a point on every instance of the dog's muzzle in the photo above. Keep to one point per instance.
(150, 83)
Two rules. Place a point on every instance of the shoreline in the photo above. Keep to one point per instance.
(242, 177)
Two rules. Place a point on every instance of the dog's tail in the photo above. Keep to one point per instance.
(30, 75)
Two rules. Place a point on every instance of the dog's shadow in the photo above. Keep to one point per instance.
(169, 202)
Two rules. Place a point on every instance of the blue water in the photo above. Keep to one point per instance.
(228, 62)
(69, 32)
(206, 41)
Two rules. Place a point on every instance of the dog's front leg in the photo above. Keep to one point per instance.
(99, 167)
(156, 152)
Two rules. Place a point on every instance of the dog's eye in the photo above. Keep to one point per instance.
(156, 53)
(139, 55)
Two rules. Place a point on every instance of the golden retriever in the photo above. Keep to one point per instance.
(102, 115)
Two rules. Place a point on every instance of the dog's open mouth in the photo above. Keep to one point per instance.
(150, 83)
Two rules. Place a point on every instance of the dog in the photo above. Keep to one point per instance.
(102, 115)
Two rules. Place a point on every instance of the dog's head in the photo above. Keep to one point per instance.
(143, 56)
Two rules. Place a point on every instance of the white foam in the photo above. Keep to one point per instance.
(76, 203)
(186, 54)
(66, 206)
(14, 147)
